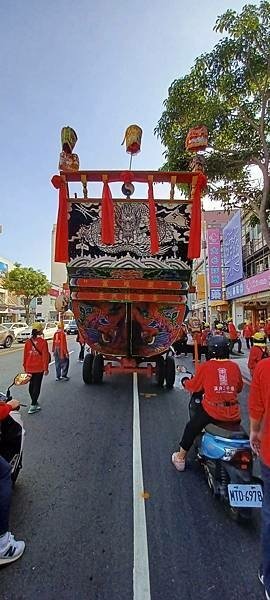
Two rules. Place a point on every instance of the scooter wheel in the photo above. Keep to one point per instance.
(16, 471)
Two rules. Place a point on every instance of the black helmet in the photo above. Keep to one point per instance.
(218, 347)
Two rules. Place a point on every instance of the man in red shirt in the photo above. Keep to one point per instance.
(220, 380)
(259, 413)
(234, 337)
(61, 353)
(258, 351)
(10, 549)
(248, 332)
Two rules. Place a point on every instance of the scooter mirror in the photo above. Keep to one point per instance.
(22, 379)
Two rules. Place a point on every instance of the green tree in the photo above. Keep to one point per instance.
(26, 283)
(228, 90)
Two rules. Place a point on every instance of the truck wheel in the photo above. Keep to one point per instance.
(87, 368)
(169, 372)
(98, 368)
(160, 371)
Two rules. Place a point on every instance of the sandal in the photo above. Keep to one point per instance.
(179, 463)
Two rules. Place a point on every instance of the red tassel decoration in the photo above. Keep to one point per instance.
(107, 216)
(154, 241)
(61, 237)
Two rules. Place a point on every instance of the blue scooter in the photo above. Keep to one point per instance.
(225, 454)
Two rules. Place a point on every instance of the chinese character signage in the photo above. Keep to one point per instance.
(252, 285)
(232, 248)
(214, 262)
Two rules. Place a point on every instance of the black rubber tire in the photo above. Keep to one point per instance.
(8, 342)
(169, 372)
(160, 371)
(98, 368)
(87, 368)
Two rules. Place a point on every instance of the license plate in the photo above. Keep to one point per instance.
(245, 495)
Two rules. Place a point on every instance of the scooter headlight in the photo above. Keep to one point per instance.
(229, 453)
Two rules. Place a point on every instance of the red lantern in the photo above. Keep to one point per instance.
(197, 138)
(133, 138)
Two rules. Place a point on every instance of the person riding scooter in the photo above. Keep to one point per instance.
(220, 380)
(10, 549)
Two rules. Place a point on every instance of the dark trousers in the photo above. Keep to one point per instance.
(5, 495)
(34, 387)
(199, 352)
(249, 342)
(196, 424)
(81, 355)
(61, 365)
(266, 526)
(233, 342)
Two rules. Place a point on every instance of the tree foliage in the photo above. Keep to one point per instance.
(26, 283)
(228, 90)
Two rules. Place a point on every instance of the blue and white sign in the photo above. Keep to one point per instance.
(232, 250)
(216, 294)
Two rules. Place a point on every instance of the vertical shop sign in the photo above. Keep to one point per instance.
(232, 248)
(214, 262)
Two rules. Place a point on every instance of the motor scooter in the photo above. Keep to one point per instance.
(12, 431)
(225, 454)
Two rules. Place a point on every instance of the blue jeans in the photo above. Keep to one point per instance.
(5, 494)
(61, 365)
(266, 527)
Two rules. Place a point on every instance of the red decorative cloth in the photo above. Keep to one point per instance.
(61, 237)
(194, 245)
(154, 241)
(107, 216)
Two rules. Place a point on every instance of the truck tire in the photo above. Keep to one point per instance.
(169, 372)
(98, 368)
(87, 368)
(160, 371)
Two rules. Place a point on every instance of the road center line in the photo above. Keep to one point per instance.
(141, 579)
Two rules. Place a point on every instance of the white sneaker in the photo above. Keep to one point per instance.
(12, 551)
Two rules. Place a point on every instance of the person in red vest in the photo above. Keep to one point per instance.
(234, 337)
(267, 329)
(248, 332)
(36, 360)
(61, 354)
(259, 414)
(258, 351)
(10, 549)
(220, 380)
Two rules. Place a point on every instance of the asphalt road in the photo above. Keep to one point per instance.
(73, 502)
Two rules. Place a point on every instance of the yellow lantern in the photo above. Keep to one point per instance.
(133, 138)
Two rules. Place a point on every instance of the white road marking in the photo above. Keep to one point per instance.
(141, 579)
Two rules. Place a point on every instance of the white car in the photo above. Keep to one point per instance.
(48, 332)
(16, 328)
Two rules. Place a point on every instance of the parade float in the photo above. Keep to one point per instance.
(129, 258)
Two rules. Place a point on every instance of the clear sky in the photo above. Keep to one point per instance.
(97, 66)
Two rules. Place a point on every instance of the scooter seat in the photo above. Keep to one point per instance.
(230, 431)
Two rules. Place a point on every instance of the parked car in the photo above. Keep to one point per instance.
(16, 328)
(6, 337)
(71, 328)
(48, 332)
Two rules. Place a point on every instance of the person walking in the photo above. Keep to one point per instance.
(10, 549)
(267, 329)
(234, 337)
(61, 354)
(259, 414)
(258, 351)
(81, 341)
(36, 360)
(248, 332)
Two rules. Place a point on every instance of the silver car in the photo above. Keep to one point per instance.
(6, 337)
